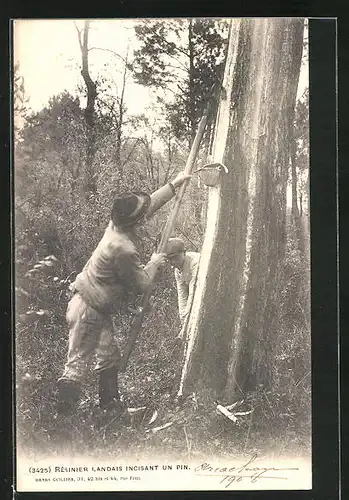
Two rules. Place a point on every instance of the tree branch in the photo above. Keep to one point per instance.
(79, 34)
(109, 50)
(173, 46)
(185, 69)
(130, 153)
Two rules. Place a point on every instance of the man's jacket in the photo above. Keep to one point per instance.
(186, 280)
(114, 271)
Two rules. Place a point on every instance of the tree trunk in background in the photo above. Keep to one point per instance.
(295, 212)
(191, 103)
(235, 314)
(121, 120)
(90, 178)
(297, 50)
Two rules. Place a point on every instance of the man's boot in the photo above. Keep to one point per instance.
(67, 395)
(109, 396)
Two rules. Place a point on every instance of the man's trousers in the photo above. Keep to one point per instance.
(90, 332)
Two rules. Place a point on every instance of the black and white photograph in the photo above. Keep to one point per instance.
(162, 254)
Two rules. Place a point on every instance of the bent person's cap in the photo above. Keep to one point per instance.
(128, 208)
(174, 246)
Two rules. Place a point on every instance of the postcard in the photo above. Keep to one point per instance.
(162, 254)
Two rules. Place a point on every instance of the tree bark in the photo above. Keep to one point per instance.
(235, 313)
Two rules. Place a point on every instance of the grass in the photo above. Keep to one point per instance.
(279, 424)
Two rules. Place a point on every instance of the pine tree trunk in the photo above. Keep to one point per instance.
(234, 321)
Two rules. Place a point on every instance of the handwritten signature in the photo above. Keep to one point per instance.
(237, 474)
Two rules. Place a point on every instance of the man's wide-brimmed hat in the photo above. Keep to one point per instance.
(174, 247)
(128, 208)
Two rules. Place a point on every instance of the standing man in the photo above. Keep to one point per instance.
(186, 268)
(111, 277)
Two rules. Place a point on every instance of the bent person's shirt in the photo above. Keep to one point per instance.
(185, 280)
(114, 270)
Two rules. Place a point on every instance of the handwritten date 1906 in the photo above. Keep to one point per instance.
(246, 471)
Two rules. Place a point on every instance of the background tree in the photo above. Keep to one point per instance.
(52, 136)
(91, 95)
(20, 101)
(300, 171)
(299, 157)
(182, 57)
(110, 103)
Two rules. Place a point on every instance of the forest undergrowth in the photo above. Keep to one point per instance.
(273, 422)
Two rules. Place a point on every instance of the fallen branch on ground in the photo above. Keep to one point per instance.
(156, 429)
(233, 416)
